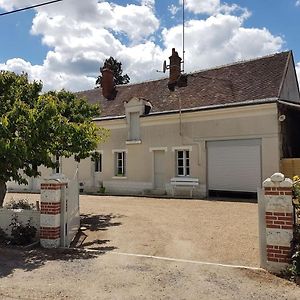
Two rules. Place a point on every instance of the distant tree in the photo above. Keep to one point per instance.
(116, 67)
(34, 127)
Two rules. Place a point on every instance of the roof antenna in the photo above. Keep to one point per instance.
(183, 25)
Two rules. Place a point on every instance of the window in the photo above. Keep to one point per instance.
(120, 161)
(134, 130)
(183, 162)
(57, 169)
(98, 163)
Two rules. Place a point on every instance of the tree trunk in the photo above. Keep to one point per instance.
(3, 190)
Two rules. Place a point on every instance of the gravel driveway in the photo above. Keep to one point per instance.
(185, 230)
(213, 231)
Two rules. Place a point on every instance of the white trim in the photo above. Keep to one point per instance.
(119, 150)
(151, 149)
(189, 148)
(133, 142)
(119, 177)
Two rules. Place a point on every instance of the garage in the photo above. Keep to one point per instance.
(234, 168)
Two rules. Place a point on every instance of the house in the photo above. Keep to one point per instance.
(218, 131)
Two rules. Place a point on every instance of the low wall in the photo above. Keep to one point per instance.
(23, 215)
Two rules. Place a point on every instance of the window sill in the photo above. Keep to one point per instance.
(119, 177)
(133, 142)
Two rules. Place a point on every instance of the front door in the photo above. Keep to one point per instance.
(159, 169)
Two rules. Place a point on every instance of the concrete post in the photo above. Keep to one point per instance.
(50, 230)
(278, 221)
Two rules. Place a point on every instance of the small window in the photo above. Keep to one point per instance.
(183, 162)
(57, 169)
(134, 124)
(120, 162)
(98, 163)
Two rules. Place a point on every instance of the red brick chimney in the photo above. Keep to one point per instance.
(107, 84)
(175, 69)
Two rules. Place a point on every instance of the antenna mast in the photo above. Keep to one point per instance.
(183, 23)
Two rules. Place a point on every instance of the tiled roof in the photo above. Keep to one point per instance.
(245, 81)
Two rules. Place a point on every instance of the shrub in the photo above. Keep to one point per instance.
(3, 236)
(22, 234)
(19, 204)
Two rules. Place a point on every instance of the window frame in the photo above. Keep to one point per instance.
(98, 163)
(185, 165)
(122, 161)
(57, 170)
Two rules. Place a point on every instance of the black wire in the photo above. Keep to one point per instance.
(29, 7)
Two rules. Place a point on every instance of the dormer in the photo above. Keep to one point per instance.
(135, 108)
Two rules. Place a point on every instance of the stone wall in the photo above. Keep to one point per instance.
(23, 216)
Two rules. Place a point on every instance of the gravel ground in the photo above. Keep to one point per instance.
(210, 231)
(213, 231)
(49, 275)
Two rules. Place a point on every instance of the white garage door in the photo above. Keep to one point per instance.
(234, 165)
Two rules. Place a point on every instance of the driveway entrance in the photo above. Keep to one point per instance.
(210, 231)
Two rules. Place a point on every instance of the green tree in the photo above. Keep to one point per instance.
(34, 127)
(116, 67)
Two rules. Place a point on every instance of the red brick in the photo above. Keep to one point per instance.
(284, 260)
(284, 188)
(287, 227)
(285, 218)
(274, 226)
(271, 218)
(279, 223)
(273, 259)
(274, 251)
(271, 193)
(279, 214)
(270, 246)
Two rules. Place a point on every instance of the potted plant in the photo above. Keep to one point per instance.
(102, 188)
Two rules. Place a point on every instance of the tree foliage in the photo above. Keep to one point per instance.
(116, 67)
(34, 127)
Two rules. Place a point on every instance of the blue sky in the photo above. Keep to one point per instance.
(64, 44)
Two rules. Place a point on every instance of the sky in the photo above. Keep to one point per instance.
(64, 44)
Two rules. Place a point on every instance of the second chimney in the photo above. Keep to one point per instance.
(175, 69)
(107, 84)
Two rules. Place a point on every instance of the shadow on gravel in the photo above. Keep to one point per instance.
(92, 223)
(99, 222)
(12, 259)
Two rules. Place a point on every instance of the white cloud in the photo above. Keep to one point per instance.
(82, 34)
(173, 9)
(220, 39)
(204, 6)
(149, 3)
(298, 71)
(298, 3)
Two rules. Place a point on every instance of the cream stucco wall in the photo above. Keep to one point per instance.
(163, 132)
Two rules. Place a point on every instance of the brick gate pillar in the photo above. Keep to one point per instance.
(278, 221)
(50, 230)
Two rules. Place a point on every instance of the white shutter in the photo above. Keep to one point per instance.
(234, 165)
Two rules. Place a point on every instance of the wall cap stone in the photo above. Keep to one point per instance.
(277, 177)
(268, 183)
(286, 183)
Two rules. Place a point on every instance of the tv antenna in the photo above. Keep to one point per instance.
(165, 66)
